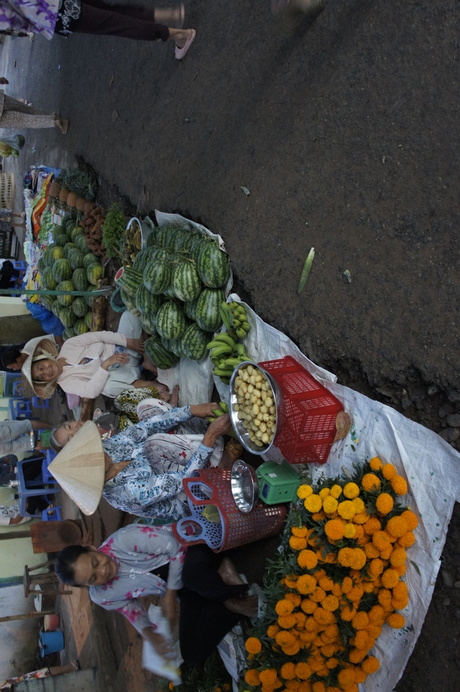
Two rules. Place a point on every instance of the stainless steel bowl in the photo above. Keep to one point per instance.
(238, 427)
(244, 485)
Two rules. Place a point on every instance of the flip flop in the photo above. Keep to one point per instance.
(63, 125)
(180, 53)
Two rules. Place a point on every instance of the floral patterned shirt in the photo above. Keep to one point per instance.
(37, 16)
(137, 550)
(139, 488)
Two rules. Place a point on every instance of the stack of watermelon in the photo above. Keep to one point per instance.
(67, 265)
(176, 286)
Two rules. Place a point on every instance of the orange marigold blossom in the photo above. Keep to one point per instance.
(307, 636)
(300, 620)
(370, 665)
(332, 662)
(375, 464)
(292, 650)
(355, 593)
(368, 586)
(384, 598)
(411, 519)
(318, 686)
(399, 485)
(311, 625)
(297, 543)
(322, 616)
(293, 685)
(313, 503)
(253, 645)
(284, 607)
(318, 516)
(285, 638)
(324, 492)
(349, 531)
(299, 531)
(268, 676)
(396, 620)
(389, 578)
(360, 507)
(359, 559)
(306, 584)
(401, 570)
(360, 675)
(407, 540)
(330, 603)
(374, 631)
(351, 490)
(325, 582)
(347, 584)
(371, 551)
(389, 471)
(396, 526)
(376, 614)
(286, 621)
(302, 670)
(304, 490)
(380, 539)
(337, 590)
(360, 620)
(346, 677)
(330, 504)
(288, 671)
(308, 606)
(336, 490)
(356, 655)
(345, 557)
(272, 631)
(318, 594)
(370, 482)
(362, 640)
(346, 509)
(307, 559)
(294, 598)
(398, 557)
(251, 676)
(386, 552)
(372, 525)
(360, 518)
(400, 590)
(334, 529)
(347, 613)
(384, 503)
(399, 603)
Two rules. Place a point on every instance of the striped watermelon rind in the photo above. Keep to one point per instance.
(159, 355)
(208, 315)
(213, 267)
(170, 321)
(194, 342)
(157, 276)
(62, 270)
(186, 282)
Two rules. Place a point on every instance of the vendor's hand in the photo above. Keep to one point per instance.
(220, 426)
(203, 410)
(160, 644)
(173, 397)
(116, 358)
(170, 608)
(135, 345)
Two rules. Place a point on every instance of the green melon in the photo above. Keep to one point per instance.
(48, 279)
(213, 267)
(159, 355)
(67, 250)
(208, 315)
(61, 239)
(57, 253)
(89, 259)
(62, 270)
(89, 320)
(79, 307)
(80, 327)
(79, 279)
(170, 321)
(65, 300)
(75, 232)
(67, 316)
(157, 276)
(128, 279)
(76, 259)
(189, 309)
(186, 282)
(194, 341)
(94, 273)
(80, 242)
(68, 333)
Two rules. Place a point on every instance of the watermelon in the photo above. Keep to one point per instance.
(47, 301)
(89, 320)
(194, 341)
(128, 279)
(148, 323)
(186, 282)
(68, 333)
(62, 270)
(65, 299)
(41, 264)
(75, 232)
(213, 267)
(157, 276)
(76, 259)
(57, 253)
(89, 259)
(80, 327)
(61, 239)
(158, 354)
(79, 279)
(48, 256)
(48, 279)
(173, 345)
(189, 309)
(80, 307)
(208, 315)
(67, 249)
(55, 231)
(141, 260)
(80, 242)
(183, 243)
(67, 316)
(146, 302)
(199, 240)
(129, 302)
(170, 321)
(165, 235)
(94, 273)
(55, 307)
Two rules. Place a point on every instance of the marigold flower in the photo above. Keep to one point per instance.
(357, 655)
(399, 485)
(375, 464)
(368, 586)
(411, 519)
(346, 677)
(293, 685)
(330, 504)
(297, 543)
(359, 559)
(396, 526)
(355, 593)
(384, 598)
(324, 492)
(325, 582)
(386, 552)
(308, 606)
(313, 503)
(286, 621)
(400, 590)
(376, 567)
(389, 471)
(336, 490)
(358, 502)
(323, 617)
(291, 650)
(284, 607)
(334, 529)
(351, 490)
(376, 615)
(251, 676)
(370, 665)
(306, 584)
(372, 525)
(361, 639)
(407, 540)
(347, 613)
(389, 578)
(268, 676)
(347, 585)
(253, 645)
(318, 594)
(346, 509)
(330, 603)
(370, 482)
(294, 598)
(349, 531)
(272, 631)
(304, 490)
(398, 557)
(311, 625)
(303, 670)
(284, 638)
(399, 603)
(380, 539)
(287, 671)
(299, 531)
(360, 621)
(371, 551)
(384, 503)
(360, 675)
(307, 559)
(300, 620)
(318, 686)
(345, 557)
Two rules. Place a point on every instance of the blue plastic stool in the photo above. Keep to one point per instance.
(52, 514)
(47, 476)
(20, 408)
(10, 380)
(40, 403)
(18, 389)
(21, 266)
(27, 488)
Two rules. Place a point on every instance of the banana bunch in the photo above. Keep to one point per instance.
(216, 412)
(235, 319)
(226, 354)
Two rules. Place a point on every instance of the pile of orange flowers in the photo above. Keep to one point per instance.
(338, 582)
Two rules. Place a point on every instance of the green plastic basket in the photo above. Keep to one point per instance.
(277, 482)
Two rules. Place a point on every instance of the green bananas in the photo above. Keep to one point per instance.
(225, 350)
(221, 411)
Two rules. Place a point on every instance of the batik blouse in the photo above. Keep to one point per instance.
(139, 488)
(137, 550)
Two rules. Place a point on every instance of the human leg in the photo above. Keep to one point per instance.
(97, 17)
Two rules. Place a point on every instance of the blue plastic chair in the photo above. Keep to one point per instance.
(46, 474)
(18, 389)
(52, 514)
(28, 488)
(40, 403)
(10, 381)
(20, 408)
(21, 266)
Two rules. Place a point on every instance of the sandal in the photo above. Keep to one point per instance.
(182, 52)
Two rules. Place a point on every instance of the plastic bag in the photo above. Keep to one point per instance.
(10, 146)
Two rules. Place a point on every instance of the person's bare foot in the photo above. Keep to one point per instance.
(248, 606)
(229, 573)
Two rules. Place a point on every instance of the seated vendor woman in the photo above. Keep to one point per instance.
(129, 478)
(212, 594)
(90, 364)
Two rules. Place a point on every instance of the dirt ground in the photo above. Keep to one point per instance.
(346, 137)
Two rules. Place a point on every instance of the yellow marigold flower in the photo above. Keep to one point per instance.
(396, 526)
(371, 551)
(398, 557)
(351, 490)
(297, 543)
(253, 645)
(308, 606)
(303, 670)
(347, 613)
(284, 638)
(345, 557)
(272, 631)
(268, 676)
(318, 686)
(380, 539)
(399, 485)
(361, 639)
(411, 519)
(407, 540)
(355, 593)
(375, 464)
(370, 665)
(357, 655)
(299, 531)
(313, 503)
(318, 594)
(306, 584)
(304, 490)
(336, 490)
(330, 603)
(389, 471)
(376, 615)
(372, 525)
(370, 482)
(252, 677)
(349, 531)
(360, 507)
(386, 552)
(376, 567)
(346, 677)
(284, 607)
(346, 509)
(287, 622)
(401, 570)
(324, 492)
(360, 621)
(329, 504)
(288, 671)
(294, 598)
(390, 578)
(384, 503)
(359, 559)
(334, 529)
(307, 559)
(325, 582)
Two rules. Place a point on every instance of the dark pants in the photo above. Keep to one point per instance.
(204, 620)
(97, 17)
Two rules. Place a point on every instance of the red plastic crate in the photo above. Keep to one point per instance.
(308, 413)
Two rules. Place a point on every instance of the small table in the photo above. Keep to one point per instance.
(27, 488)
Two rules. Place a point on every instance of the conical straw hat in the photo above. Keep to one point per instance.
(79, 468)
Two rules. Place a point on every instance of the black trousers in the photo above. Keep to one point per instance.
(204, 620)
(98, 17)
